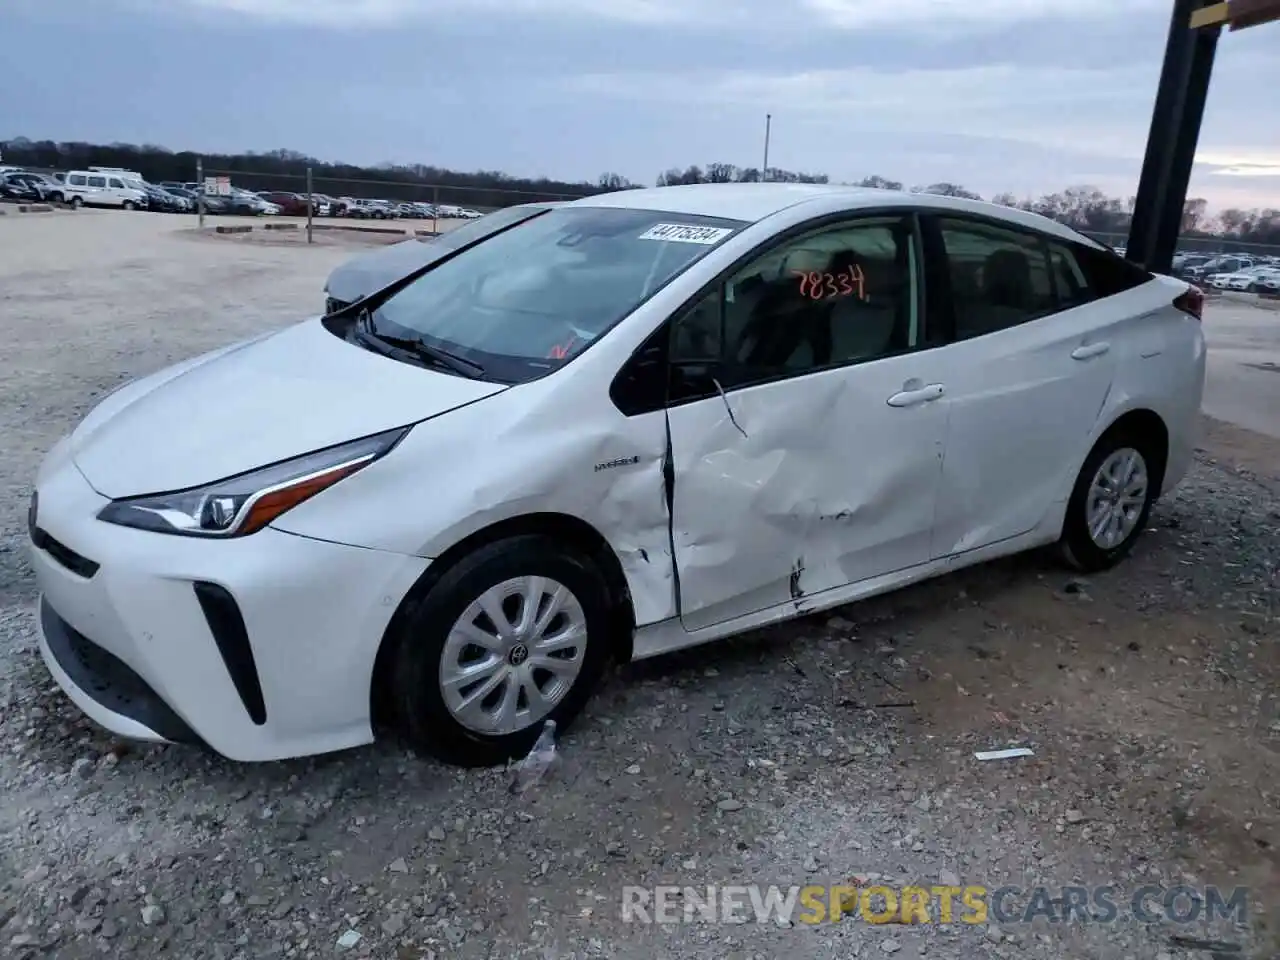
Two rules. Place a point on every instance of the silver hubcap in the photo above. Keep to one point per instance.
(513, 655)
(1116, 498)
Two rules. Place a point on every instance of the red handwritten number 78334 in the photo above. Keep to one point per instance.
(561, 350)
(817, 285)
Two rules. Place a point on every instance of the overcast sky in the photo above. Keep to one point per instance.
(1021, 95)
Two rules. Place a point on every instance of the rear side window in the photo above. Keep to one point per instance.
(999, 278)
(1069, 281)
(1106, 272)
(76, 180)
(97, 181)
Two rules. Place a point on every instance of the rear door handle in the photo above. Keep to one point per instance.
(1089, 351)
(912, 398)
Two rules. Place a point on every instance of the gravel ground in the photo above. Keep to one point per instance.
(834, 748)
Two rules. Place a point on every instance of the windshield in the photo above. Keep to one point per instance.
(479, 229)
(526, 300)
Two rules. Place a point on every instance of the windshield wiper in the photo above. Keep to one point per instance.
(417, 349)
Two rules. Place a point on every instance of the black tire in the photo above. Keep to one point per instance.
(422, 627)
(1076, 546)
(128, 205)
(75, 203)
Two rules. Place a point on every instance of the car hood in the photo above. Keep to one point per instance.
(369, 272)
(253, 404)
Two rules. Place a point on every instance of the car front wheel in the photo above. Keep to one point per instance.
(1111, 501)
(513, 635)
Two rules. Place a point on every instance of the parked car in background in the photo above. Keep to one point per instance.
(384, 209)
(668, 384)
(46, 188)
(365, 209)
(216, 204)
(1227, 264)
(1251, 279)
(1184, 261)
(247, 203)
(15, 186)
(356, 208)
(162, 200)
(96, 189)
(290, 204)
(183, 193)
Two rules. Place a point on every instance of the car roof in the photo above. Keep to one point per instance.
(752, 202)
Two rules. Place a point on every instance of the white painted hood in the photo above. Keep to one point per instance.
(253, 404)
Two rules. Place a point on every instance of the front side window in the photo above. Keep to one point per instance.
(529, 298)
(999, 278)
(118, 184)
(841, 295)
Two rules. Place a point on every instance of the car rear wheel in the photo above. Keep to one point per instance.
(1111, 501)
(128, 205)
(75, 203)
(511, 636)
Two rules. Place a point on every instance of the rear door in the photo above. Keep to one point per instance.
(1030, 365)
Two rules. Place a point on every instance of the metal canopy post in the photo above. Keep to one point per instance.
(1171, 144)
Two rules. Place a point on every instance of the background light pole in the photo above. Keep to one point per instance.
(764, 171)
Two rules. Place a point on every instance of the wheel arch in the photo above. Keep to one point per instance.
(570, 530)
(1144, 424)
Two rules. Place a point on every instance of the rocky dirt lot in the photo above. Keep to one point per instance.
(835, 748)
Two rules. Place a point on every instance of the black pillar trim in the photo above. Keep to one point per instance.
(1171, 144)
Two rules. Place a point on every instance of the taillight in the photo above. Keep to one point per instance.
(1191, 302)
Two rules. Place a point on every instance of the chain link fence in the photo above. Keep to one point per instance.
(1207, 245)
(330, 202)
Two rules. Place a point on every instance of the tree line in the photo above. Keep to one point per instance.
(1085, 208)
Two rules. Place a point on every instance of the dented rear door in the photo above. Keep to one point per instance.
(785, 489)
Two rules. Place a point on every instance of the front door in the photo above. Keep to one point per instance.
(806, 424)
(1028, 374)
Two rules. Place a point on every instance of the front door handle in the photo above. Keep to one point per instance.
(912, 398)
(1089, 351)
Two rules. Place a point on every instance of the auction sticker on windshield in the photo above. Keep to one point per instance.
(686, 233)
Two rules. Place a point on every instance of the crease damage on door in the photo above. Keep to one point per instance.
(788, 489)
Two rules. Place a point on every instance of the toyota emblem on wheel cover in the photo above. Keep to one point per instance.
(518, 655)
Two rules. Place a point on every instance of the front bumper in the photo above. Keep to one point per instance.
(261, 647)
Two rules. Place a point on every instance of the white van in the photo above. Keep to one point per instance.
(92, 188)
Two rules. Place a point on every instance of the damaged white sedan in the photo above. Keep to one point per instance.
(630, 424)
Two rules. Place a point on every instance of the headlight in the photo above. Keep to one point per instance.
(237, 506)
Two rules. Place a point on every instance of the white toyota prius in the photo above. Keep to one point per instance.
(630, 424)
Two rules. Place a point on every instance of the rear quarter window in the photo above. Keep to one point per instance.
(1107, 273)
